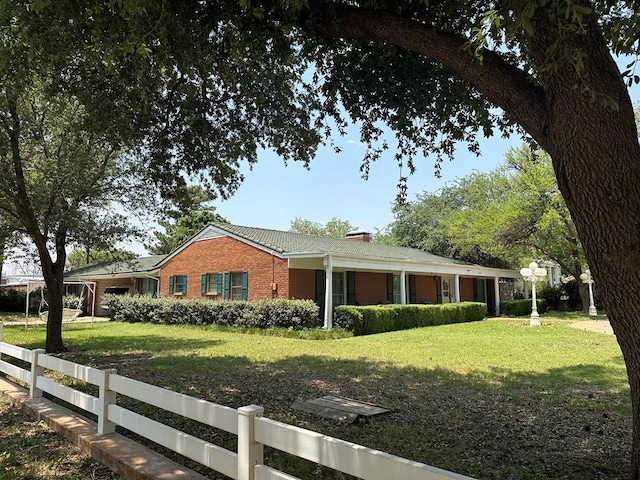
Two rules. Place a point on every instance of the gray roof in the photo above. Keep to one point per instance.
(290, 243)
(137, 265)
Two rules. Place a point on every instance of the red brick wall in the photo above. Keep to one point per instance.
(226, 254)
(466, 289)
(426, 289)
(302, 284)
(371, 288)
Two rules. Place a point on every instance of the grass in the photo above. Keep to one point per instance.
(29, 450)
(493, 399)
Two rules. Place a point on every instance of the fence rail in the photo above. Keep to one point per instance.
(252, 429)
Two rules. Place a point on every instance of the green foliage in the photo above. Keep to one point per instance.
(14, 301)
(335, 228)
(367, 320)
(179, 231)
(81, 258)
(519, 308)
(277, 313)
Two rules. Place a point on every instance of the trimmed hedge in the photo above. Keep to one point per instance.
(519, 308)
(281, 313)
(372, 319)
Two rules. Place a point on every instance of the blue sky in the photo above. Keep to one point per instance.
(272, 195)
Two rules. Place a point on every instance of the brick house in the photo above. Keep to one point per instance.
(245, 263)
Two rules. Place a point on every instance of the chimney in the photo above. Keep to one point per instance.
(359, 236)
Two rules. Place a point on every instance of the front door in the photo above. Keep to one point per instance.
(447, 289)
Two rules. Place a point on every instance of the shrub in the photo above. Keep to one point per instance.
(519, 308)
(12, 300)
(372, 319)
(277, 313)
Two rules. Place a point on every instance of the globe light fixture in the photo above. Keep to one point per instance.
(586, 278)
(533, 274)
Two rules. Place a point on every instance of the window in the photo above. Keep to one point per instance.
(338, 288)
(211, 284)
(397, 295)
(146, 286)
(236, 285)
(178, 285)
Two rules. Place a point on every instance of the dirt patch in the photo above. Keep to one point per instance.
(598, 326)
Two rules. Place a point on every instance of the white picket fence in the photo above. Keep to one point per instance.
(252, 429)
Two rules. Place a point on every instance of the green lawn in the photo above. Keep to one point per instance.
(493, 399)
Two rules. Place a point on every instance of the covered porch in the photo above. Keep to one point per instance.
(348, 280)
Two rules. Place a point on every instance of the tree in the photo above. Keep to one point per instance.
(179, 231)
(57, 177)
(87, 257)
(334, 228)
(207, 83)
(517, 212)
(187, 214)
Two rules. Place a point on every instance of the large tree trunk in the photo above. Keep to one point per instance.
(596, 157)
(54, 279)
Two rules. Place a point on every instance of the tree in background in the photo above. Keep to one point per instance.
(517, 212)
(81, 258)
(334, 228)
(188, 215)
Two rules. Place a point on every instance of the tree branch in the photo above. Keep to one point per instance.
(502, 83)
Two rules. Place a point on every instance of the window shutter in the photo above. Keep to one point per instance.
(412, 289)
(227, 285)
(245, 285)
(184, 284)
(320, 286)
(171, 284)
(438, 289)
(203, 283)
(390, 287)
(351, 288)
(218, 283)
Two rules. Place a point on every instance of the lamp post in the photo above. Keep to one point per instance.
(533, 274)
(586, 278)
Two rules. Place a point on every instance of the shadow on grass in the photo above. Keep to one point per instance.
(567, 423)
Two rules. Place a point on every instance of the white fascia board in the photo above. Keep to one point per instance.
(394, 264)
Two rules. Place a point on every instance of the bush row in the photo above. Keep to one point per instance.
(372, 319)
(14, 301)
(281, 313)
(518, 308)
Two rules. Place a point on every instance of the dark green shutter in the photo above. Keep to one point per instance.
(245, 285)
(438, 290)
(390, 287)
(218, 283)
(320, 286)
(412, 289)
(184, 284)
(351, 288)
(171, 284)
(203, 283)
(227, 285)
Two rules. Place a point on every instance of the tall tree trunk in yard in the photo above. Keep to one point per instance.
(596, 158)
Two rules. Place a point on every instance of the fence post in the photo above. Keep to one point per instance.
(250, 452)
(106, 397)
(36, 371)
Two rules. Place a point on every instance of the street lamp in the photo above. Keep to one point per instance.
(533, 274)
(586, 278)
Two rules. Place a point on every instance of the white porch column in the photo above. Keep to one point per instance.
(456, 287)
(496, 293)
(403, 288)
(328, 293)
